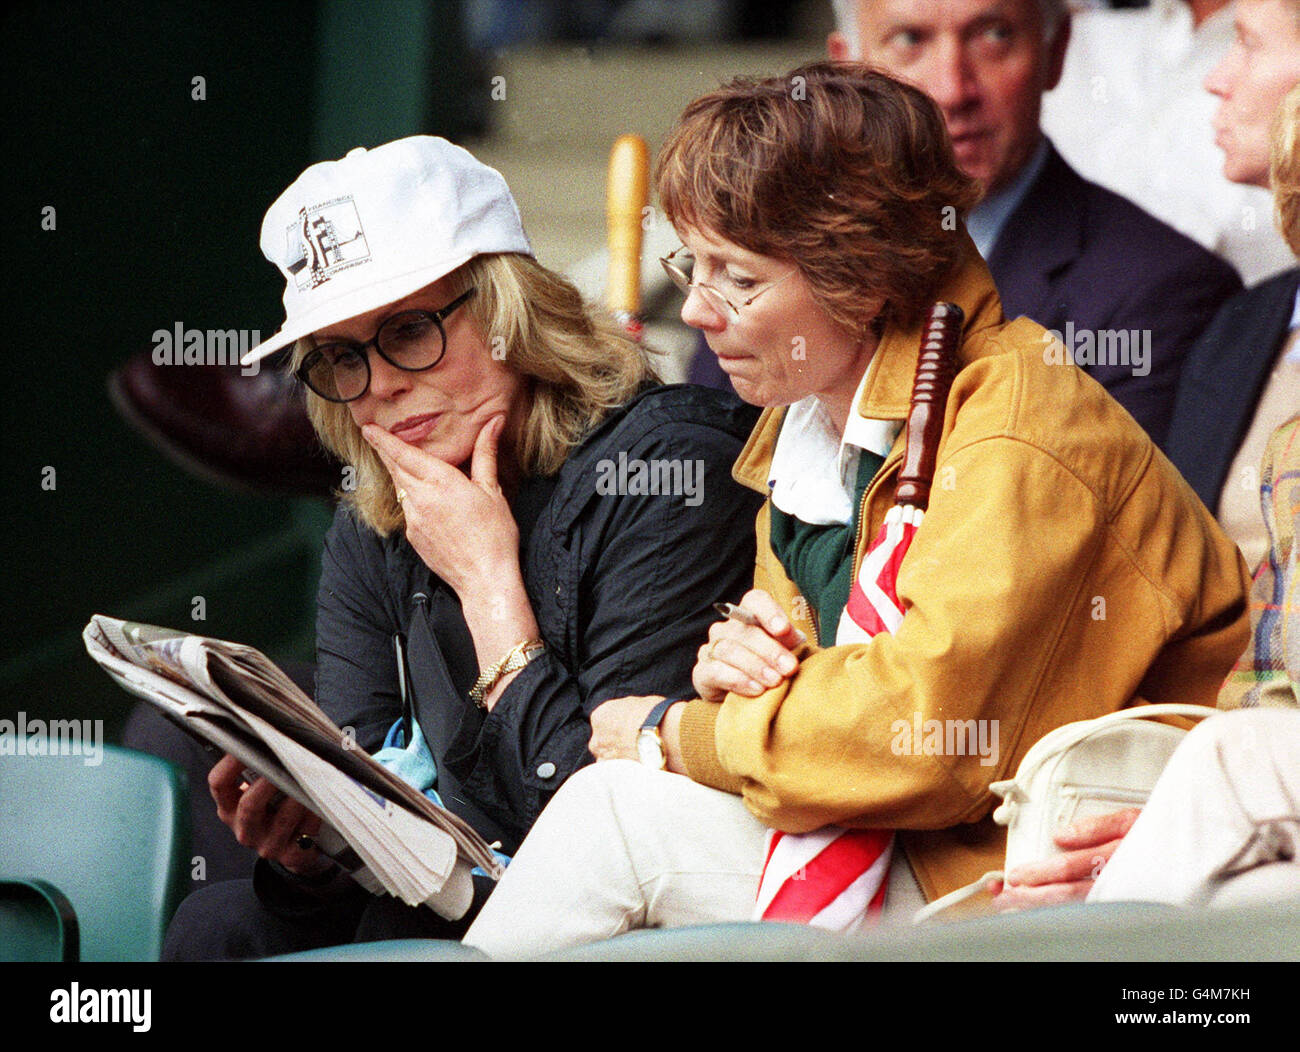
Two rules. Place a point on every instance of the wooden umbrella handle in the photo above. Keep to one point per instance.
(627, 191)
(935, 369)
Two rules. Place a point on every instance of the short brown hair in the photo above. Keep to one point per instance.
(840, 169)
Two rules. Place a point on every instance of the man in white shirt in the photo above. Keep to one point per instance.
(1127, 113)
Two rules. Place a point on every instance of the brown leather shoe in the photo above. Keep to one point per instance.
(248, 432)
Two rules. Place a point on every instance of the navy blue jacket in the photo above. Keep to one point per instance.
(622, 588)
(1223, 377)
(1073, 251)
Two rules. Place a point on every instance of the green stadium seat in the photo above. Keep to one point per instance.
(37, 923)
(1077, 932)
(390, 950)
(113, 837)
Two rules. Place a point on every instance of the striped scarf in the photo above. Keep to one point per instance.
(833, 877)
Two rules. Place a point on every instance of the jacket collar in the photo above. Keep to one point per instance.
(887, 393)
(662, 408)
(1047, 230)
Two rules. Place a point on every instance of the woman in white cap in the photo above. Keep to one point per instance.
(523, 532)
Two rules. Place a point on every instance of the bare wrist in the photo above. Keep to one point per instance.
(491, 582)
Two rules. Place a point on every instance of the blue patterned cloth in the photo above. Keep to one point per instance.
(414, 765)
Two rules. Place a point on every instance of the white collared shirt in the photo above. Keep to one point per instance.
(814, 469)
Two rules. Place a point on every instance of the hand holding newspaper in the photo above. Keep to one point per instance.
(391, 837)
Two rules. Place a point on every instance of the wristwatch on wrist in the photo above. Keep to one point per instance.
(649, 744)
(516, 658)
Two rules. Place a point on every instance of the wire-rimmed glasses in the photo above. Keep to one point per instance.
(715, 299)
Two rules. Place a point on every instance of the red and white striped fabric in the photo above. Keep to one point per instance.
(831, 878)
(873, 605)
(834, 877)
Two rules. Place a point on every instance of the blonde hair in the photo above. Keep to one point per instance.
(577, 366)
(1284, 168)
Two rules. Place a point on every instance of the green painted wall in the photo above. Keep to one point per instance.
(158, 201)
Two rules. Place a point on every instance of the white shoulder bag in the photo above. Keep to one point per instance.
(1091, 767)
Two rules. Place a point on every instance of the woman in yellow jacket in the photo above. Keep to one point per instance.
(1064, 568)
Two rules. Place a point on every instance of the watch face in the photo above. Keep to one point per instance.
(650, 750)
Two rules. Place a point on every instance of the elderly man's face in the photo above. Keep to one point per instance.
(985, 62)
(1262, 65)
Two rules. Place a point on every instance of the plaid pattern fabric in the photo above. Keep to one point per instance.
(1268, 673)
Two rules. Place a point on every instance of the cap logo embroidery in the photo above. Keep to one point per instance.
(326, 239)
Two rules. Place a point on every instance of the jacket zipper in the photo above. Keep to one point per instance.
(886, 469)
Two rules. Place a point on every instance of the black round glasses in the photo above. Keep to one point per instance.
(411, 340)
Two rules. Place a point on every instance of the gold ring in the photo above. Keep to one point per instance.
(401, 495)
(712, 647)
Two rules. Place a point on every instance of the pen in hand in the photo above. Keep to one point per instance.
(736, 612)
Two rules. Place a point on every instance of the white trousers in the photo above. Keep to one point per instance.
(623, 846)
(1222, 826)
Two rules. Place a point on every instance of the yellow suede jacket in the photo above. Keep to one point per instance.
(1064, 569)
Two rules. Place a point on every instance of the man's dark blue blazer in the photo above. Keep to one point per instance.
(1073, 251)
(1223, 376)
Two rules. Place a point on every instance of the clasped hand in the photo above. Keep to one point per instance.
(748, 659)
(745, 659)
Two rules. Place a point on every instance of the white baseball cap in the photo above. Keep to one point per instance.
(371, 228)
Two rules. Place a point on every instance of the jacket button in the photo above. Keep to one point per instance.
(546, 770)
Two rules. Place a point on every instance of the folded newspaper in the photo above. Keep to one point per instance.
(390, 836)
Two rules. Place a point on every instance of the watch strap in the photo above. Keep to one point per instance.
(656, 715)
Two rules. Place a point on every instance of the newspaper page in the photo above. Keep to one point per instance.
(234, 697)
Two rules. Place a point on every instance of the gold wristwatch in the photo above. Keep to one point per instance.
(516, 658)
